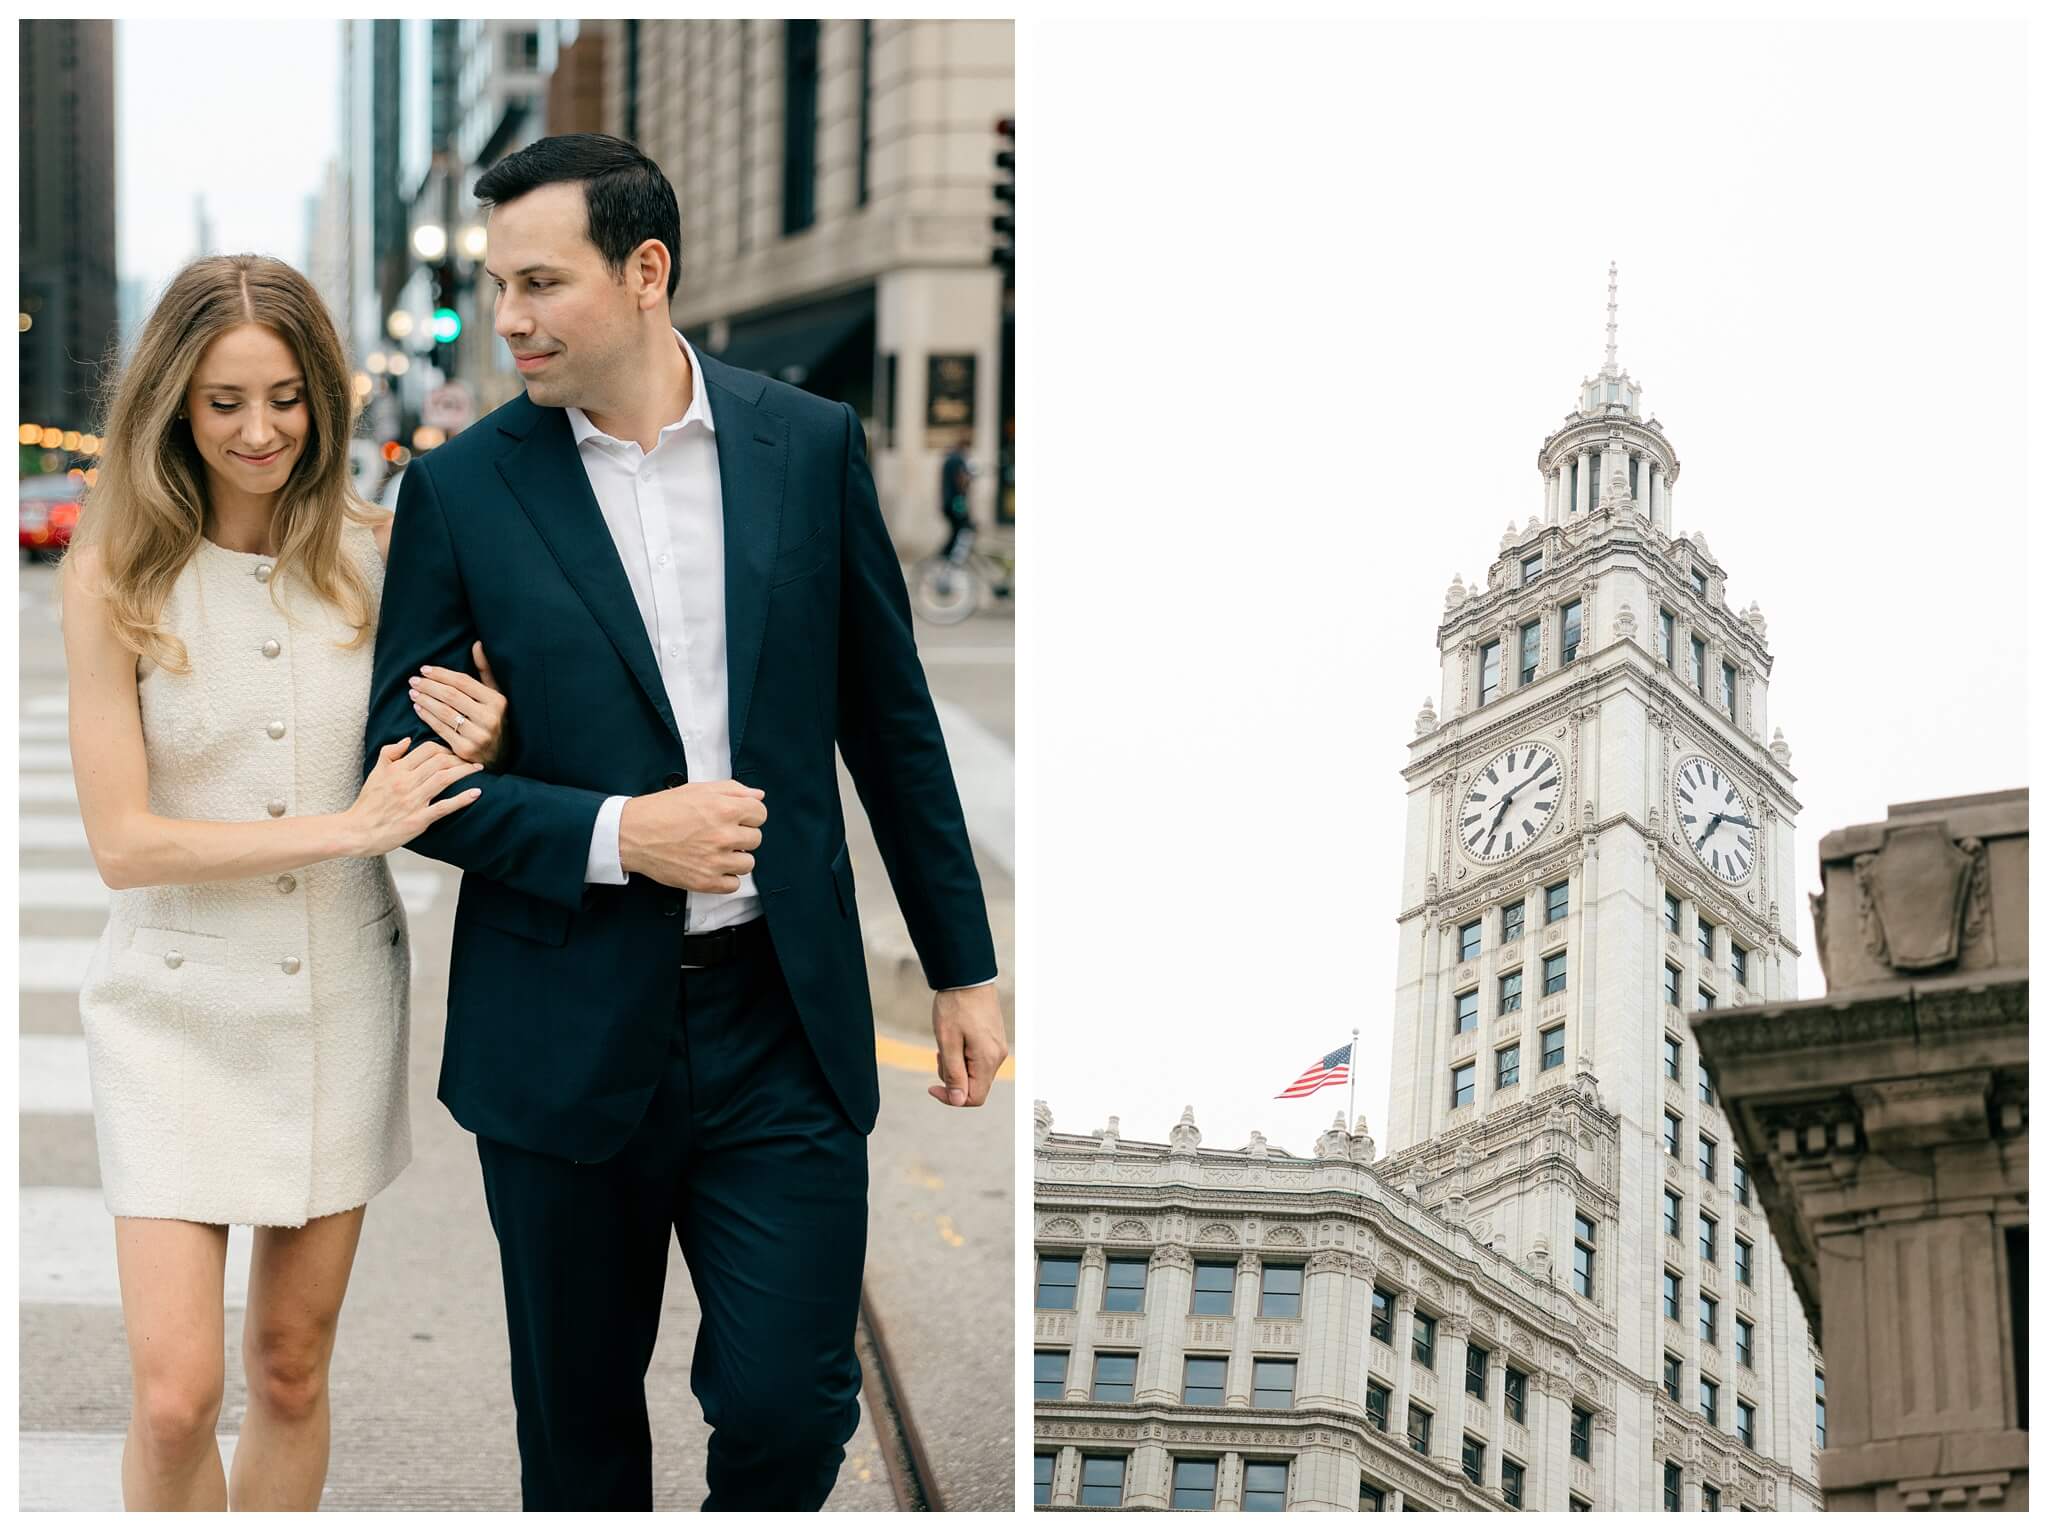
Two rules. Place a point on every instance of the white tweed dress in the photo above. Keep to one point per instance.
(247, 1039)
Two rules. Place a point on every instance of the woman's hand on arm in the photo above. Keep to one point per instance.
(132, 847)
(468, 712)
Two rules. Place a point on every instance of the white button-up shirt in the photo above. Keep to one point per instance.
(665, 513)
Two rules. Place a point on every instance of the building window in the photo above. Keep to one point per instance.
(1511, 922)
(1376, 1402)
(1532, 649)
(799, 125)
(1201, 1380)
(1425, 1341)
(1048, 1373)
(1507, 1066)
(1570, 648)
(1705, 939)
(1671, 1131)
(1699, 666)
(1673, 1371)
(1468, 940)
(1461, 1085)
(1468, 1013)
(1371, 1497)
(1674, 1295)
(1102, 1481)
(1674, 1053)
(1553, 1048)
(1671, 982)
(1671, 1486)
(1745, 1340)
(1706, 1157)
(1706, 1080)
(1710, 1401)
(1745, 1423)
(1383, 1316)
(1553, 973)
(1265, 1485)
(1473, 1460)
(1671, 915)
(1820, 1410)
(1123, 1290)
(1489, 671)
(1116, 1377)
(1510, 991)
(1710, 1240)
(1516, 1386)
(1728, 689)
(1674, 1213)
(1704, 1000)
(1582, 1433)
(1042, 1464)
(1710, 1320)
(1058, 1277)
(1280, 1291)
(1699, 583)
(1579, 1505)
(1667, 632)
(1215, 1288)
(1582, 1254)
(1557, 901)
(1738, 964)
(1511, 1482)
(1272, 1384)
(1475, 1370)
(1738, 1175)
(1194, 1483)
(1418, 1430)
(1742, 1273)
(1532, 566)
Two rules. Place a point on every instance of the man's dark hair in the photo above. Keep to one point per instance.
(626, 198)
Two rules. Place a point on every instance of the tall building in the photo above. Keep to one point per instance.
(69, 303)
(1599, 842)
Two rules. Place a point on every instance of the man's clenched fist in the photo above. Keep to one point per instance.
(700, 836)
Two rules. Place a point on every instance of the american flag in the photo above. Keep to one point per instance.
(1331, 1068)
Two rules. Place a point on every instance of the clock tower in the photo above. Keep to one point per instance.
(1599, 841)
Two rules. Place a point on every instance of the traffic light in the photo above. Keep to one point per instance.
(1005, 220)
(447, 321)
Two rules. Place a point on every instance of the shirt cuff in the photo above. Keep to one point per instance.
(603, 863)
(956, 988)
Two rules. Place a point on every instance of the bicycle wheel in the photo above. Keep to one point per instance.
(943, 592)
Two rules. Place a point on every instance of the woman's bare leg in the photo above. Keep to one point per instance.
(171, 1279)
(297, 1279)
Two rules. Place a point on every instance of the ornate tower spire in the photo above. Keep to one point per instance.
(1610, 369)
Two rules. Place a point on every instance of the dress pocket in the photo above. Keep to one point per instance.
(159, 946)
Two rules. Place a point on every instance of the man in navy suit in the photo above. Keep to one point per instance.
(658, 1014)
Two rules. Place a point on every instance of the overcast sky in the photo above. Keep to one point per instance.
(241, 111)
(1373, 264)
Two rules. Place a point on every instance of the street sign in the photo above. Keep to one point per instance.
(449, 407)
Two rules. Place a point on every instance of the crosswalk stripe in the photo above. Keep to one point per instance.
(41, 832)
(78, 1469)
(985, 771)
(42, 730)
(47, 787)
(76, 888)
(67, 1250)
(56, 704)
(55, 964)
(46, 757)
(54, 1078)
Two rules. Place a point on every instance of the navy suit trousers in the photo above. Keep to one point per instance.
(746, 1153)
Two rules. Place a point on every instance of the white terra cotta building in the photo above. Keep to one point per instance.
(1556, 1290)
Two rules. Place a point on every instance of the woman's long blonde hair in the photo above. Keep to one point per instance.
(146, 514)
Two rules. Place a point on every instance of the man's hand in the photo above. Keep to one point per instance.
(700, 836)
(968, 1026)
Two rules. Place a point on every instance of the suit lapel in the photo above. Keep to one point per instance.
(753, 466)
(546, 477)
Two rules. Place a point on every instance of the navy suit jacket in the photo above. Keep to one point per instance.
(561, 994)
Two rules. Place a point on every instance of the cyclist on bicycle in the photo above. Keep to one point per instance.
(955, 474)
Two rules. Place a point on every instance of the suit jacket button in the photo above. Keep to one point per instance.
(675, 779)
(671, 906)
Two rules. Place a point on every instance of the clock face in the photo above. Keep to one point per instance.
(1508, 801)
(1714, 817)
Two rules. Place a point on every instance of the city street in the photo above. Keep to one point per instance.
(421, 1396)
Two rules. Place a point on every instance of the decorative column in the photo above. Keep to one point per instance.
(1497, 1391)
(1169, 1293)
(1230, 1481)
(1449, 1445)
(1582, 501)
(1606, 1470)
(1244, 1312)
(1066, 1477)
(1087, 1304)
(1656, 506)
(1148, 1477)
(1404, 1366)
(1545, 1468)
(1332, 1334)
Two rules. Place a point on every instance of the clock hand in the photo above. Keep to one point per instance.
(1729, 818)
(1702, 840)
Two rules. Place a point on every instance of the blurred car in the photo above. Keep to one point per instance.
(49, 512)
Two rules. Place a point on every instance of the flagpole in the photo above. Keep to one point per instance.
(1351, 1113)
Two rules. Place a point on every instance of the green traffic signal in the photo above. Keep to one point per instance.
(447, 325)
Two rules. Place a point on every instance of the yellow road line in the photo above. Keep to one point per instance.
(896, 1054)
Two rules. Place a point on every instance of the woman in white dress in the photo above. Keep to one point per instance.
(246, 1013)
